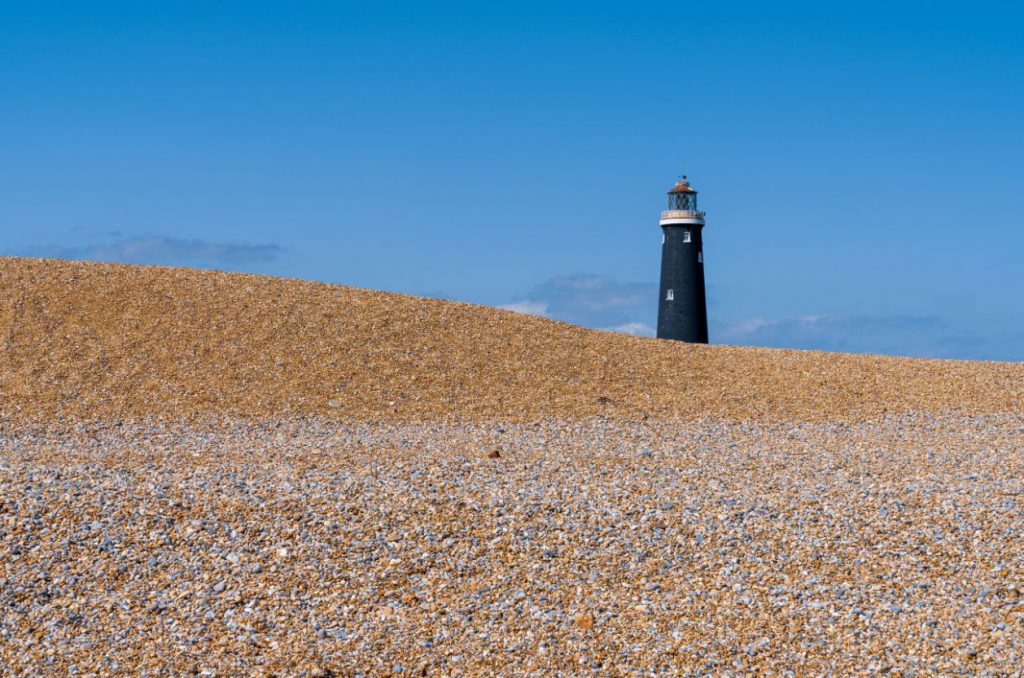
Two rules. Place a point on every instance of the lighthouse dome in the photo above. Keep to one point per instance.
(682, 186)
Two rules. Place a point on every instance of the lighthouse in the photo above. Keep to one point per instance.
(682, 306)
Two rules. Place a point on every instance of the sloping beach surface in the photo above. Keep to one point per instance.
(235, 474)
(84, 340)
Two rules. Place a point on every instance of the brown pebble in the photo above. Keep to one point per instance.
(585, 621)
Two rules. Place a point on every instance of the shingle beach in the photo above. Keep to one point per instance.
(207, 473)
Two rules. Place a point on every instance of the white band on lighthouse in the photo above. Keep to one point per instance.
(671, 217)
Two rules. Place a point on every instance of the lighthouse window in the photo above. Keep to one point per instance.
(686, 236)
(700, 257)
(670, 295)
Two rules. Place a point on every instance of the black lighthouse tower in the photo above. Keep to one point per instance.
(682, 308)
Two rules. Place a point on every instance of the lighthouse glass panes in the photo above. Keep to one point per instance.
(682, 201)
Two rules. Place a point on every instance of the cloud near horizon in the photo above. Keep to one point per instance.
(601, 302)
(594, 301)
(162, 250)
(528, 307)
(637, 329)
(540, 308)
(906, 335)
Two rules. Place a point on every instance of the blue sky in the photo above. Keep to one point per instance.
(861, 165)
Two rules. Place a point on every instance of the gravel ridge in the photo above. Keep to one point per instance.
(207, 473)
(88, 340)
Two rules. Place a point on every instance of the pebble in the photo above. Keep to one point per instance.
(756, 548)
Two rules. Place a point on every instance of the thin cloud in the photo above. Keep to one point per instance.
(908, 335)
(592, 300)
(163, 250)
(635, 328)
(631, 308)
(528, 307)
